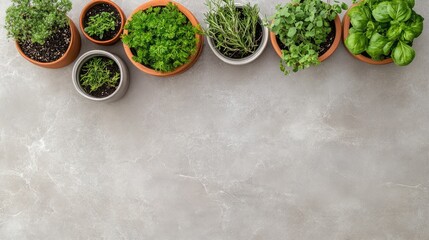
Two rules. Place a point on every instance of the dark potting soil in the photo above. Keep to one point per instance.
(99, 8)
(53, 48)
(104, 91)
(324, 47)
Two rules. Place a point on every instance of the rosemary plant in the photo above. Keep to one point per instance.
(233, 29)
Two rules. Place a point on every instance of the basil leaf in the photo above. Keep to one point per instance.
(376, 45)
(356, 42)
(380, 13)
(399, 11)
(394, 32)
(359, 16)
(403, 54)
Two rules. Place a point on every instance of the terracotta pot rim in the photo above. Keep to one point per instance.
(361, 57)
(88, 7)
(51, 64)
(192, 58)
(324, 56)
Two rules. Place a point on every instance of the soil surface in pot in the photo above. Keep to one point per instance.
(99, 8)
(53, 48)
(103, 91)
(324, 47)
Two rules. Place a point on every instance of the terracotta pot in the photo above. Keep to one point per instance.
(327, 54)
(192, 59)
(89, 6)
(346, 27)
(68, 57)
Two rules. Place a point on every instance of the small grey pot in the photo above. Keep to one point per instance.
(248, 59)
(123, 82)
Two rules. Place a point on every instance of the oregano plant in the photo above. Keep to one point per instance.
(161, 38)
(36, 20)
(301, 26)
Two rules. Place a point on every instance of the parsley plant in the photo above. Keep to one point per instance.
(161, 38)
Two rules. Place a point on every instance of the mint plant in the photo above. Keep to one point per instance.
(233, 30)
(384, 28)
(100, 23)
(95, 74)
(161, 38)
(36, 20)
(302, 26)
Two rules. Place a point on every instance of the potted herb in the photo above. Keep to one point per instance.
(102, 22)
(100, 76)
(162, 38)
(379, 32)
(235, 32)
(305, 33)
(43, 33)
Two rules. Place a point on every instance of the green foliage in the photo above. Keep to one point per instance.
(233, 30)
(161, 38)
(36, 20)
(100, 23)
(96, 74)
(384, 28)
(302, 26)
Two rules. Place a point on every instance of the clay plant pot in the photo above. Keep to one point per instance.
(327, 54)
(68, 57)
(192, 59)
(363, 58)
(82, 19)
(124, 81)
(250, 58)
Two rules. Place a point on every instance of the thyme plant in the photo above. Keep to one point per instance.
(36, 20)
(100, 23)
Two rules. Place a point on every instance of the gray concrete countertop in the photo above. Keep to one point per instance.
(338, 151)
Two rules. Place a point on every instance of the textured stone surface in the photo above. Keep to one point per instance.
(339, 151)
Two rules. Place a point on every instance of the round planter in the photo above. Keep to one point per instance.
(88, 7)
(327, 54)
(346, 27)
(248, 59)
(68, 57)
(192, 59)
(123, 82)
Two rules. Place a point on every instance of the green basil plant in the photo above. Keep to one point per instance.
(383, 29)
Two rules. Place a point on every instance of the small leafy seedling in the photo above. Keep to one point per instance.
(161, 38)
(384, 29)
(100, 23)
(302, 26)
(36, 20)
(233, 30)
(95, 74)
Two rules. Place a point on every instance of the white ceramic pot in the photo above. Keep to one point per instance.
(248, 59)
(123, 82)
